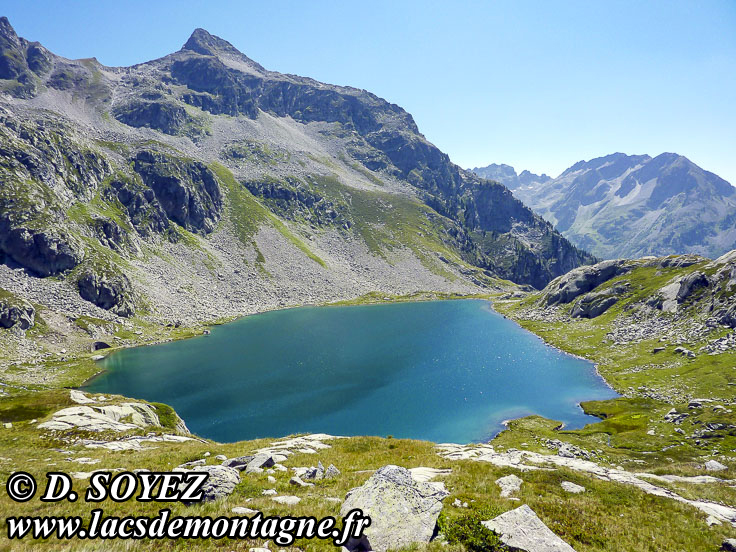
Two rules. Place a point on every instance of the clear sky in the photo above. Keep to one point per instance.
(537, 85)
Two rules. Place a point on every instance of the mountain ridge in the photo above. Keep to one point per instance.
(621, 205)
(201, 186)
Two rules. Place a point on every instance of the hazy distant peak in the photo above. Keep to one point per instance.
(506, 175)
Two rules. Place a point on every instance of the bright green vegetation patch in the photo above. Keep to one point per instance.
(90, 323)
(166, 415)
(252, 151)
(387, 222)
(247, 214)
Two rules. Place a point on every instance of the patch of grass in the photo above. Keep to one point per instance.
(247, 215)
(466, 529)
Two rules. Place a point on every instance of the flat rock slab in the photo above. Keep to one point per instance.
(571, 487)
(521, 529)
(423, 474)
(403, 511)
(287, 499)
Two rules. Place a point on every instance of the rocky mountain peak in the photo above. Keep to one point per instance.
(202, 42)
(7, 32)
(207, 44)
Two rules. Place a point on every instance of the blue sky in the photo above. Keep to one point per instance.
(537, 85)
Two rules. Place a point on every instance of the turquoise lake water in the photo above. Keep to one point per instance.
(441, 370)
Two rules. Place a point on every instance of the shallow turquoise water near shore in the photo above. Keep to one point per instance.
(440, 370)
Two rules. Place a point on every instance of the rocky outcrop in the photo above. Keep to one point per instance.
(123, 417)
(45, 252)
(593, 304)
(107, 289)
(21, 61)
(15, 311)
(295, 200)
(521, 529)
(187, 190)
(402, 511)
(164, 116)
(582, 280)
(142, 207)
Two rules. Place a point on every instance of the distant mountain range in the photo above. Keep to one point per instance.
(506, 175)
(632, 205)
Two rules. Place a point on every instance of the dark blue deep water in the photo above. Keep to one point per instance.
(441, 370)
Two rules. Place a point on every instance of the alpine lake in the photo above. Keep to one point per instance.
(444, 371)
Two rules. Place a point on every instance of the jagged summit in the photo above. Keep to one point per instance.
(208, 44)
(6, 29)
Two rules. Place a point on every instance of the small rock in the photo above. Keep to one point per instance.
(8, 425)
(571, 487)
(242, 511)
(259, 461)
(238, 463)
(193, 463)
(269, 492)
(297, 481)
(271, 479)
(287, 499)
(713, 465)
(509, 485)
(711, 521)
(331, 472)
(221, 457)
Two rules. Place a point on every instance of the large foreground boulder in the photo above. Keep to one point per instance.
(402, 511)
(521, 529)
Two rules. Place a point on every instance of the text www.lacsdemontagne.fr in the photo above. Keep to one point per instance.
(282, 530)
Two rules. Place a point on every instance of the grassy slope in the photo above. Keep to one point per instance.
(601, 519)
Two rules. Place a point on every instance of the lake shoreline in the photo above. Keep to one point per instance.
(428, 336)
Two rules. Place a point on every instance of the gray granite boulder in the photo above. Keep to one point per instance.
(402, 511)
(220, 483)
(239, 463)
(521, 529)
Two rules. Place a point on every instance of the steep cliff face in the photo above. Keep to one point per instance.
(105, 168)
